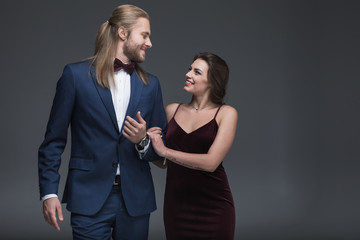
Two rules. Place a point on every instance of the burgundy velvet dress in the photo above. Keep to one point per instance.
(198, 204)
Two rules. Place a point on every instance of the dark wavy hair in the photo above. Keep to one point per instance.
(218, 75)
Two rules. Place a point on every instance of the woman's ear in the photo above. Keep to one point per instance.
(123, 33)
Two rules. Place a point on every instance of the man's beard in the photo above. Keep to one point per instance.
(133, 52)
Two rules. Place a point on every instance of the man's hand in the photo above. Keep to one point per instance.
(51, 209)
(133, 130)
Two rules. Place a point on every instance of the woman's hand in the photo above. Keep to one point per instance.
(155, 130)
(155, 135)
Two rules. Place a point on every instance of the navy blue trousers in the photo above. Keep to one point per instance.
(112, 221)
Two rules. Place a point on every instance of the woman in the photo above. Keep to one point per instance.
(198, 201)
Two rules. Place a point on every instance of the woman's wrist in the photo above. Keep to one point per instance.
(165, 154)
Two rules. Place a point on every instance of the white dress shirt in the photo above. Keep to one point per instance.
(120, 93)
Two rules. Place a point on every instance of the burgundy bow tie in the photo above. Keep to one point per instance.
(129, 68)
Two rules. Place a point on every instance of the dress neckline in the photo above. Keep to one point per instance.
(188, 133)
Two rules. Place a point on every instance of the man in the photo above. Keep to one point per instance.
(109, 189)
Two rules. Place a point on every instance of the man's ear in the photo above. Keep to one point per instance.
(123, 33)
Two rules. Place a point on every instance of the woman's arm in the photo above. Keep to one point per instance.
(217, 152)
(161, 163)
(169, 110)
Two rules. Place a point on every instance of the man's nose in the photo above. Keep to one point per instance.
(148, 43)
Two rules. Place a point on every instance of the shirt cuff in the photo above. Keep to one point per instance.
(143, 151)
(47, 196)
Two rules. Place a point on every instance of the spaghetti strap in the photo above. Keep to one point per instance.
(216, 111)
(176, 110)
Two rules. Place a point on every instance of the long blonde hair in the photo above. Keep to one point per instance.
(107, 39)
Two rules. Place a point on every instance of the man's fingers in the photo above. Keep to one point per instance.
(128, 131)
(54, 222)
(134, 131)
(52, 210)
(135, 123)
(125, 133)
(59, 213)
(132, 122)
(47, 217)
(50, 217)
(140, 119)
(131, 129)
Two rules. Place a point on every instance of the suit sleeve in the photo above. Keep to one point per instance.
(49, 155)
(158, 119)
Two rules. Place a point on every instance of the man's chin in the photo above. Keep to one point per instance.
(139, 59)
(142, 58)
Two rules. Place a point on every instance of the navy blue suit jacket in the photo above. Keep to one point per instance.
(97, 145)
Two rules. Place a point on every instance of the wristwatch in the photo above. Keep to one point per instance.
(141, 145)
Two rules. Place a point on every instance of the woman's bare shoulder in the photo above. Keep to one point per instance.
(227, 112)
(170, 110)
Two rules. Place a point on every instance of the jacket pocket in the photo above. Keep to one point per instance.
(80, 163)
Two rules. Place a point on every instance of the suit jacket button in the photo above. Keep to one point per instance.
(114, 164)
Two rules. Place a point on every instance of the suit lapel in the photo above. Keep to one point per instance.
(135, 94)
(106, 98)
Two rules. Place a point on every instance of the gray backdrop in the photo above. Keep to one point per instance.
(294, 165)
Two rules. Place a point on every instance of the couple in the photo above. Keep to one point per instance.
(118, 123)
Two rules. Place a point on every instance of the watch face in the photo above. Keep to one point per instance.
(144, 141)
